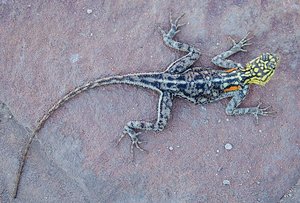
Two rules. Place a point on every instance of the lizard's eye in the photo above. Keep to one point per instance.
(271, 65)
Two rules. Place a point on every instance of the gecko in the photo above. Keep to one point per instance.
(181, 79)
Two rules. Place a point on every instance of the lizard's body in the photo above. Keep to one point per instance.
(196, 84)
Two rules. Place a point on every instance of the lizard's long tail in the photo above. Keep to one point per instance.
(131, 79)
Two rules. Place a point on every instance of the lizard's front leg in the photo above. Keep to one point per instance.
(163, 114)
(183, 63)
(221, 59)
(237, 98)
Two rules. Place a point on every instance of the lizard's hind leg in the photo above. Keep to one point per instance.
(163, 114)
(183, 63)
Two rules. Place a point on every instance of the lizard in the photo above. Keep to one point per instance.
(180, 79)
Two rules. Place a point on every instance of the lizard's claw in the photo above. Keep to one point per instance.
(119, 140)
(175, 23)
(174, 27)
(262, 111)
(242, 43)
(135, 142)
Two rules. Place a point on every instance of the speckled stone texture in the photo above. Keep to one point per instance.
(49, 47)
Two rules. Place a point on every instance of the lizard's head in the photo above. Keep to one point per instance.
(261, 69)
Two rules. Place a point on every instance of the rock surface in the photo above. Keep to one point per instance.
(49, 47)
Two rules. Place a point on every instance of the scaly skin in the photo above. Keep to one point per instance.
(196, 84)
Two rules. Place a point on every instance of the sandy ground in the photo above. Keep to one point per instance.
(49, 47)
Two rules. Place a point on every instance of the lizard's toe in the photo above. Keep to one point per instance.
(262, 111)
(136, 143)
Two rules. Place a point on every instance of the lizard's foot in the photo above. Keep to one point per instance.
(262, 111)
(135, 142)
(174, 27)
(242, 43)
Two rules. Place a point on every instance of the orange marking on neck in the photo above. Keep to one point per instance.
(230, 70)
(232, 88)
